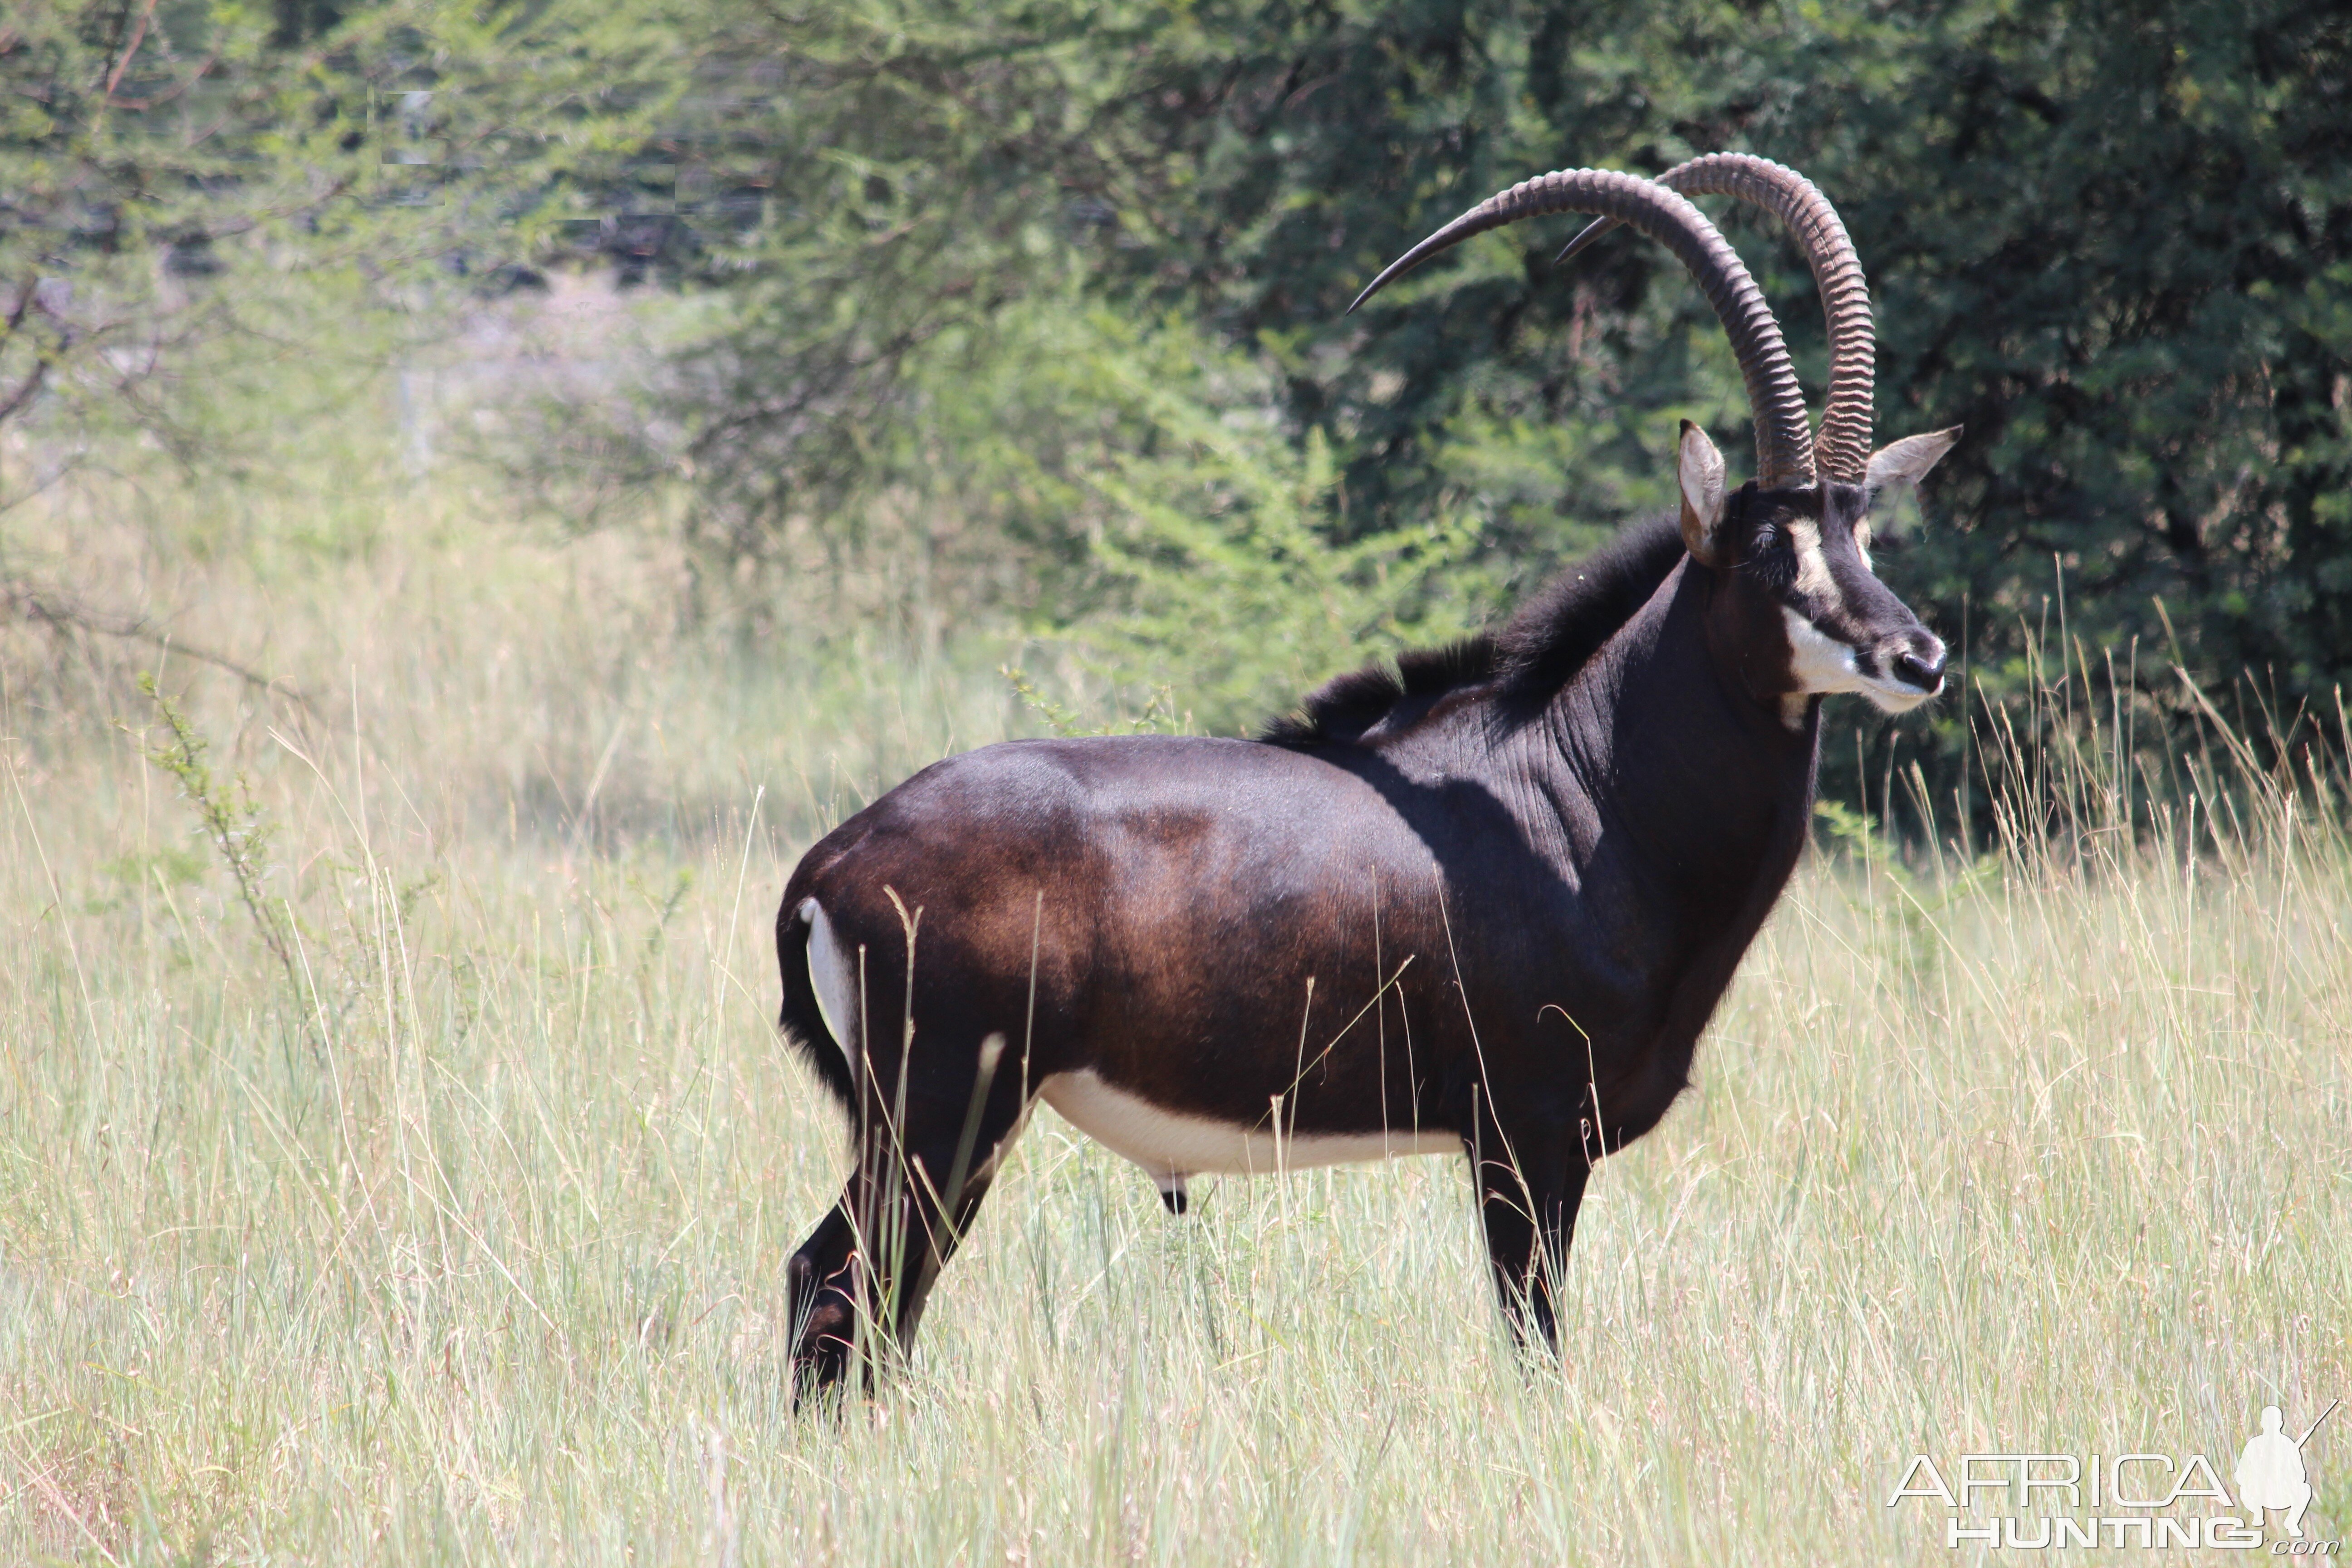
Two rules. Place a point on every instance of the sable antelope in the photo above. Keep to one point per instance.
(1484, 902)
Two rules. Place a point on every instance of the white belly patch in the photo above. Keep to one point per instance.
(1171, 1144)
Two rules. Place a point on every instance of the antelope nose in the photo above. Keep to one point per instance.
(1926, 673)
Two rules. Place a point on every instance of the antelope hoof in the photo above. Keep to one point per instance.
(828, 1320)
(821, 1355)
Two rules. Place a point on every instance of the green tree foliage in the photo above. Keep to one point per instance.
(202, 192)
(919, 171)
(937, 239)
(2111, 239)
(1214, 560)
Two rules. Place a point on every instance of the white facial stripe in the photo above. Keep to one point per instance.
(1171, 1144)
(1813, 567)
(1862, 543)
(1889, 698)
(832, 976)
(1822, 665)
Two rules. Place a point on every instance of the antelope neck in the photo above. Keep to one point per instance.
(1661, 725)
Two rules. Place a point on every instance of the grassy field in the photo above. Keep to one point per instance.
(437, 1211)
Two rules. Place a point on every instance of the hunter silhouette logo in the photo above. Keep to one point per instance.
(2271, 1473)
(2040, 1500)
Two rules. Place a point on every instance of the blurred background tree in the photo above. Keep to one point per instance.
(219, 224)
(204, 190)
(970, 289)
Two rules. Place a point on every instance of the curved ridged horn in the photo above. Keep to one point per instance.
(1784, 439)
(1844, 446)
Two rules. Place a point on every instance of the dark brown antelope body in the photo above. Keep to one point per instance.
(1487, 903)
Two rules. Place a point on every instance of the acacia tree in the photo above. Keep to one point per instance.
(177, 177)
(197, 197)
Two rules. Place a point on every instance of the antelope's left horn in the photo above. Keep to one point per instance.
(1843, 448)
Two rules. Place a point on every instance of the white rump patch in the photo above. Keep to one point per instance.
(835, 977)
(1170, 1145)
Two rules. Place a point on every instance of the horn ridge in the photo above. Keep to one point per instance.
(1843, 445)
(1784, 443)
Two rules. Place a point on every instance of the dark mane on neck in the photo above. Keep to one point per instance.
(1538, 651)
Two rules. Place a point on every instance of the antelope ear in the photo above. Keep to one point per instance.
(1699, 467)
(1906, 462)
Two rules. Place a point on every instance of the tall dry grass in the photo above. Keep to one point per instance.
(457, 1236)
